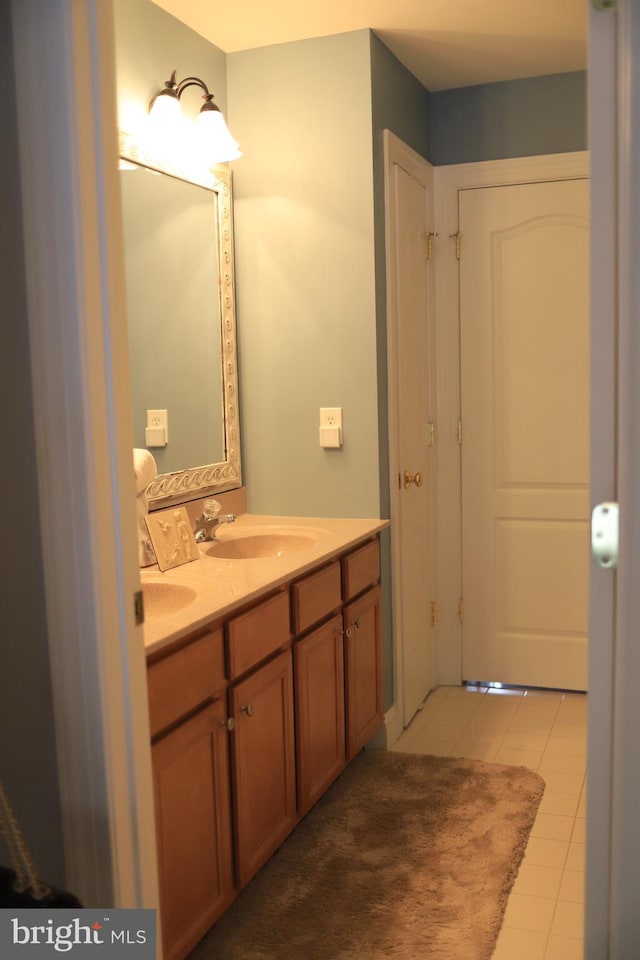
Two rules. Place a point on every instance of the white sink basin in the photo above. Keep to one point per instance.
(256, 546)
(162, 598)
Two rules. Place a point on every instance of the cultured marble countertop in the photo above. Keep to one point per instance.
(221, 586)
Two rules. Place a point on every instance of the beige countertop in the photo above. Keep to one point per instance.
(216, 586)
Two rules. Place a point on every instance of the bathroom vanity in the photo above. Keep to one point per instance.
(265, 680)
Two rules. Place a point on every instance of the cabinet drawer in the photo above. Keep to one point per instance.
(316, 597)
(254, 635)
(361, 569)
(182, 680)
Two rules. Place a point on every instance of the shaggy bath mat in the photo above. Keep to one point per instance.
(406, 857)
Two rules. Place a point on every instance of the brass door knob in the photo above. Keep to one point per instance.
(412, 478)
(248, 709)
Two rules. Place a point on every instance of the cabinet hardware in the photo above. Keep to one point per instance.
(228, 724)
(248, 709)
(347, 632)
(356, 623)
(412, 478)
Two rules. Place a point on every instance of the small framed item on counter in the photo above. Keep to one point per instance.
(172, 537)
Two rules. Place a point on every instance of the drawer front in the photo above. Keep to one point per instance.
(256, 634)
(315, 597)
(361, 569)
(181, 681)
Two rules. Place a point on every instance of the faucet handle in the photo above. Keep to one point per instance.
(210, 509)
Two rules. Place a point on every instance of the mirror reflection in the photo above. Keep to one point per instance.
(181, 317)
(171, 256)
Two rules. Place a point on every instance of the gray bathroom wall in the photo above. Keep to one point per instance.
(305, 273)
(514, 118)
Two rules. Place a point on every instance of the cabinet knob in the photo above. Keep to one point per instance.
(229, 723)
(347, 632)
(356, 623)
(248, 709)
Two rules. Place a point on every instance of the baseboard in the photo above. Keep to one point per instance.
(388, 733)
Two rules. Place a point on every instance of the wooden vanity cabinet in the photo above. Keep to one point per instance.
(363, 645)
(320, 713)
(263, 755)
(190, 758)
(251, 721)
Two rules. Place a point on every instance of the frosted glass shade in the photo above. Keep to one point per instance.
(214, 140)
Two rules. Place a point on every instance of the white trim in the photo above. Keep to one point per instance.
(389, 733)
(67, 138)
(396, 151)
(449, 180)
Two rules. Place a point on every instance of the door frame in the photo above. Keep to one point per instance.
(66, 99)
(396, 151)
(448, 181)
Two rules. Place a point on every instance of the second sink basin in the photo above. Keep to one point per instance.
(256, 546)
(162, 598)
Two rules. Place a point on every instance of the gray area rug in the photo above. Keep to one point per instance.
(406, 857)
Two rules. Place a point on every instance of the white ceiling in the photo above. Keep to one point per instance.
(444, 43)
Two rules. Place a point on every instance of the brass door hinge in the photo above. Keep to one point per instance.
(457, 236)
(459, 433)
(431, 434)
(461, 610)
(138, 607)
(428, 245)
(434, 613)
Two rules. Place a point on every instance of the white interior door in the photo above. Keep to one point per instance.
(524, 337)
(412, 436)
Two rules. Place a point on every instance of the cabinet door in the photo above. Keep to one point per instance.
(193, 828)
(263, 763)
(363, 669)
(320, 725)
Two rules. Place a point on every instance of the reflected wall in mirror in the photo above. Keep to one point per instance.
(178, 244)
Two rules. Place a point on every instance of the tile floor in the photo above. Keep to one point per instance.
(546, 731)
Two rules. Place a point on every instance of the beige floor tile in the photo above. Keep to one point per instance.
(576, 730)
(564, 804)
(529, 913)
(484, 733)
(525, 741)
(582, 805)
(437, 748)
(552, 826)
(572, 886)
(579, 834)
(566, 746)
(546, 853)
(568, 920)
(575, 857)
(559, 763)
(516, 944)
(475, 751)
(534, 726)
(436, 730)
(519, 758)
(563, 948)
(538, 881)
(564, 782)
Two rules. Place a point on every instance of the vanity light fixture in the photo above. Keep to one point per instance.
(215, 142)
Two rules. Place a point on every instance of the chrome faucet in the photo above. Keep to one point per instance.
(205, 526)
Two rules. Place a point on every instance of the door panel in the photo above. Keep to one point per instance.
(410, 336)
(525, 452)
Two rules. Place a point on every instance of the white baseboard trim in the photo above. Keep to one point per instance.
(388, 733)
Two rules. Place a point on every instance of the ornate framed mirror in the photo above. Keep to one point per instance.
(179, 260)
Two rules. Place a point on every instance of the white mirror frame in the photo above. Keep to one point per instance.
(183, 485)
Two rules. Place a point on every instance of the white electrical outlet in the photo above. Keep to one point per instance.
(157, 430)
(330, 433)
(331, 417)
